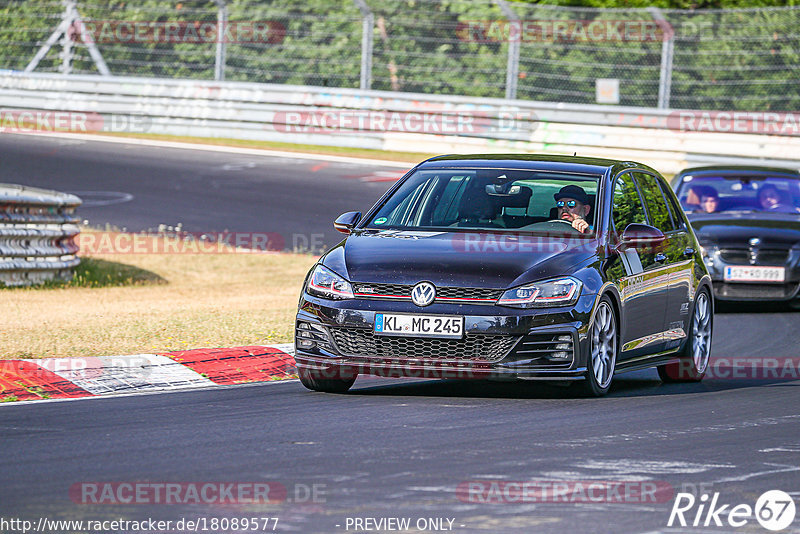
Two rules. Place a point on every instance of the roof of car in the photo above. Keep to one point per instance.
(739, 169)
(531, 161)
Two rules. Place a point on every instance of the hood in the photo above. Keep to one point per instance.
(456, 259)
(775, 230)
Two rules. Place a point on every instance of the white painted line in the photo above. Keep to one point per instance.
(625, 466)
(787, 469)
(225, 149)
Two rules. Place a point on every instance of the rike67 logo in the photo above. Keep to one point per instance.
(774, 510)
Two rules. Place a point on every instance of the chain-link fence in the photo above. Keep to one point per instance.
(745, 59)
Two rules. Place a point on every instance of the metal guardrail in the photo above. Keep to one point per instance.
(251, 111)
(37, 230)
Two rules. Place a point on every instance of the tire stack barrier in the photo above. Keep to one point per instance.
(37, 231)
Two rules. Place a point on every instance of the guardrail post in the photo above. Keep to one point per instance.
(667, 49)
(367, 25)
(514, 37)
(222, 21)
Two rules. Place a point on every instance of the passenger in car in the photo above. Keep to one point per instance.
(573, 206)
(709, 201)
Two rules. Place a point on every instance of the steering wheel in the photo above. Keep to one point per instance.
(550, 226)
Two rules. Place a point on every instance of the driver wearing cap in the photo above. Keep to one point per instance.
(573, 206)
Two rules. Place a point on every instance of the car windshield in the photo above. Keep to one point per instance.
(711, 194)
(488, 199)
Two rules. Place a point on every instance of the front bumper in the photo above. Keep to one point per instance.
(715, 260)
(335, 338)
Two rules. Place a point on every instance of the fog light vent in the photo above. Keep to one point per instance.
(546, 349)
(310, 335)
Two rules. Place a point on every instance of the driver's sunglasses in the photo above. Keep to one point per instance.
(569, 204)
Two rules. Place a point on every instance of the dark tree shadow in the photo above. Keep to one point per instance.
(94, 272)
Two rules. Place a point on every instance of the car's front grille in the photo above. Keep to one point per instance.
(735, 256)
(754, 291)
(772, 257)
(545, 350)
(395, 291)
(741, 256)
(473, 347)
(383, 290)
(468, 293)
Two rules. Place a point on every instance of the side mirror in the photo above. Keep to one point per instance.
(347, 221)
(641, 236)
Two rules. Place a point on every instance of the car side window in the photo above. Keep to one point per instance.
(654, 201)
(674, 209)
(626, 204)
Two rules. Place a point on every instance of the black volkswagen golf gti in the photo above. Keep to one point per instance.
(510, 266)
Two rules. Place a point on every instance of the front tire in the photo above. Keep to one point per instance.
(603, 351)
(694, 358)
(316, 381)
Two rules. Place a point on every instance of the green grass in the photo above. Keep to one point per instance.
(152, 303)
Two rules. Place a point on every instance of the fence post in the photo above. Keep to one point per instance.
(667, 49)
(222, 21)
(69, 21)
(512, 66)
(66, 38)
(367, 25)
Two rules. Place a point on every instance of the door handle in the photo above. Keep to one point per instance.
(689, 252)
(660, 257)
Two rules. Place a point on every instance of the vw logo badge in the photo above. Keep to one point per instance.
(423, 294)
(754, 242)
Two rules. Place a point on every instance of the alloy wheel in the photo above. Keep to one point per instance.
(701, 329)
(604, 345)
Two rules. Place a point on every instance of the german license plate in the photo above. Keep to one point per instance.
(393, 324)
(741, 273)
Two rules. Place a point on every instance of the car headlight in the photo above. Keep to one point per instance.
(325, 283)
(560, 292)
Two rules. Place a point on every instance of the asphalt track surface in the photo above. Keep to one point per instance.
(139, 188)
(400, 448)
